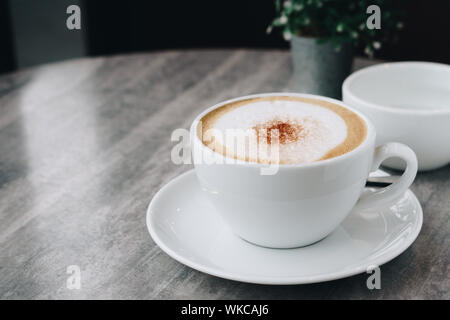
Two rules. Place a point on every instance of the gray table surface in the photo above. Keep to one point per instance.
(84, 146)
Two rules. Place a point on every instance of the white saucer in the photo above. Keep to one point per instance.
(189, 230)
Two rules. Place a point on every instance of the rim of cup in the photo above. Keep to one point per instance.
(370, 137)
(355, 76)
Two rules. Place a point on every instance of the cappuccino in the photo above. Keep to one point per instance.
(282, 129)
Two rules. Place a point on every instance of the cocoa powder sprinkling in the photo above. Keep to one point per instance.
(287, 131)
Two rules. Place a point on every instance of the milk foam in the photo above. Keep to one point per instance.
(320, 131)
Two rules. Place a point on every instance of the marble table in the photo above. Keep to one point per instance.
(85, 144)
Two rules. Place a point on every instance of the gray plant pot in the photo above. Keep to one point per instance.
(319, 68)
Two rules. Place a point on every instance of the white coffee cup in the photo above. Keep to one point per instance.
(408, 102)
(301, 203)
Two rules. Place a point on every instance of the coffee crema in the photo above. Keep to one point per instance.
(282, 129)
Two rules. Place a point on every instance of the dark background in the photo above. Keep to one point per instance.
(34, 31)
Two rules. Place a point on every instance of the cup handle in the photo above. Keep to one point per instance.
(390, 193)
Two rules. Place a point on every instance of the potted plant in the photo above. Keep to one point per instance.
(324, 34)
